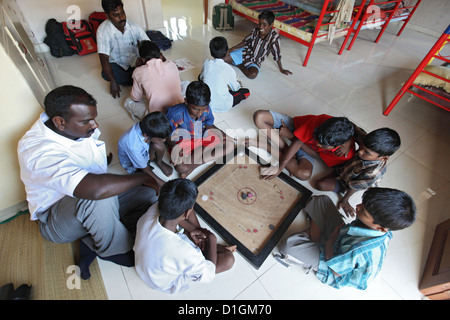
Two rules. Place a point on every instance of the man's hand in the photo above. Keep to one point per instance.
(151, 183)
(114, 89)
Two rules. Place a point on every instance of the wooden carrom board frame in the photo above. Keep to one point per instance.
(221, 213)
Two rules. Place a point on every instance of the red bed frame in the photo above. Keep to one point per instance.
(435, 52)
(326, 10)
(387, 17)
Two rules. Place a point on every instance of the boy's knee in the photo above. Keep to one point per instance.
(252, 73)
(158, 149)
(302, 174)
(228, 262)
(320, 185)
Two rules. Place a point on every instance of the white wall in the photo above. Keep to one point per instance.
(37, 13)
(19, 110)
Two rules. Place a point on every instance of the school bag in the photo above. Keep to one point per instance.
(95, 19)
(160, 39)
(223, 18)
(80, 36)
(56, 39)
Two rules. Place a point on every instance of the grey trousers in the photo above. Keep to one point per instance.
(106, 226)
(299, 247)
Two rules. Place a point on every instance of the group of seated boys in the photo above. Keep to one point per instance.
(140, 220)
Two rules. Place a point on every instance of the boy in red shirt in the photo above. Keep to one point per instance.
(331, 139)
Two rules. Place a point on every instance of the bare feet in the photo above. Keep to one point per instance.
(231, 248)
(165, 168)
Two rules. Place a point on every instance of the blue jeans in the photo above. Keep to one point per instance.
(123, 77)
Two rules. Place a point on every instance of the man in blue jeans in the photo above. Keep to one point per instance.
(117, 42)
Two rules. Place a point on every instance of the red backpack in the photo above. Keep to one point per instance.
(80, 37)
(95, 19)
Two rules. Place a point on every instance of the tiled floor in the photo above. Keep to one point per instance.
(358, 84)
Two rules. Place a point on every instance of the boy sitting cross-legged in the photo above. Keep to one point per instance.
(350, 255)
(172, 251)
(195, 140)
(226, 91)
(364, 170)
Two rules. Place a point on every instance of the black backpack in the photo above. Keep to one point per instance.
(56, 39)
(160, 39)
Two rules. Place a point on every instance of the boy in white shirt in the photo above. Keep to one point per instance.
(226, 91)
(171, 249)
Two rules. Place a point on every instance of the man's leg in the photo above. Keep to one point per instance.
(123, 77)
(133, 204)
(71, 219)
(96, 223)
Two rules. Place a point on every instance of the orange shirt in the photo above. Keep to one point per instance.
(304, 130)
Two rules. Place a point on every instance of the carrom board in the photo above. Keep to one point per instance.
(256, 221)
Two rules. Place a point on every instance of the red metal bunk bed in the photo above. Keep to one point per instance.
(440, 98)
(299, 25)
(379, 13)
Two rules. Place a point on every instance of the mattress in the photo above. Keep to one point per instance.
(295, 21)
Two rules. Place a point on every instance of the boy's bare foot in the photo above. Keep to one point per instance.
(165, 168)
(231, 248)
(184, 170)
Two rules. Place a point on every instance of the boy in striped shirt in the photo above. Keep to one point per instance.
(251, 52)
(350, 255)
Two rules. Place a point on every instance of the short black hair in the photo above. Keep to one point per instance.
(156, 125)
(176, 197)
(58, 101)
(383, 141)
(390, 208)
(198, 93)
(149, 50)
(111, 5)
(218, 47)
(267, 15)
(334, 131)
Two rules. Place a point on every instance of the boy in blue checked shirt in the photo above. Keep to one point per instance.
(350, 255)
(145, 142)
(193, 129)
(364, 170)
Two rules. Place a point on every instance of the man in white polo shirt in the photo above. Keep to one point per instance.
(117, 42)
(63, 166)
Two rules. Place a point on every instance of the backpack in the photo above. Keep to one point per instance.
(223, 18)
(95, 19)
(160, 39)
(56, 39)
(80, 37)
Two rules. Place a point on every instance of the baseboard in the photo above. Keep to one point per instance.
(12, 211)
